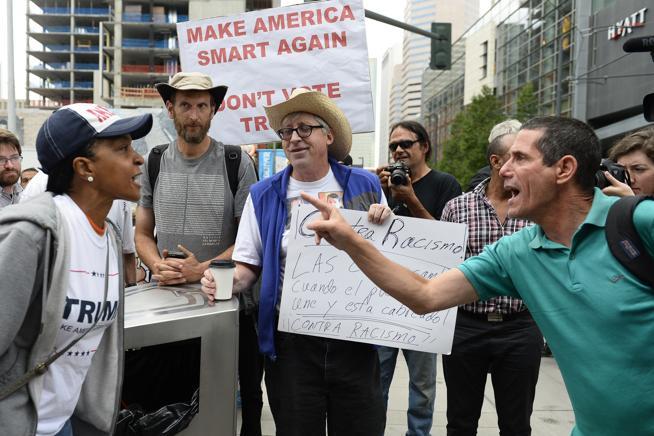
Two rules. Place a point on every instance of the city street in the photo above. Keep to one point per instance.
(552, 410)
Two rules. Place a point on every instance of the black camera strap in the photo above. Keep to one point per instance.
(625, 242)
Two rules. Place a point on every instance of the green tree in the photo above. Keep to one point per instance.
(527, 103)
(464, 152)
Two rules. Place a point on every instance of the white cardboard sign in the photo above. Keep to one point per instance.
(325, 294)
(262, 56)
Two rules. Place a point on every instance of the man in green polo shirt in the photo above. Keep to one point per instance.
(597, 317)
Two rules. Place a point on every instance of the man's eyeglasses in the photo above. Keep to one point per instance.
(303, 132)
(13, 159)
(402, 144)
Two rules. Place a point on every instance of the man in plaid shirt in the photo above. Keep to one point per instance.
(497, 335)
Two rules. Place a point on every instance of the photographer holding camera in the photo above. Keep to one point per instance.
(631, 168)
(413, 189)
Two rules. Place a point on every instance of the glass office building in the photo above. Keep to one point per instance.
(533, 41)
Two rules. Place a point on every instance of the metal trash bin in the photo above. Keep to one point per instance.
(158, 315)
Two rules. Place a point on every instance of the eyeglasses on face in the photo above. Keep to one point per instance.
(13, 159)
(303, 131)
(407, 143)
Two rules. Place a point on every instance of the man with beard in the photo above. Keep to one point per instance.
(196, 211)
(10, 157)
(191, 203)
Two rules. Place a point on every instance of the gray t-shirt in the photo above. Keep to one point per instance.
(193, 203)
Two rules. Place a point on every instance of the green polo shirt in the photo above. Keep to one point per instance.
(597, 317)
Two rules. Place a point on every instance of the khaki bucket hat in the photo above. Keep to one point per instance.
(191, 81)
(317, 103)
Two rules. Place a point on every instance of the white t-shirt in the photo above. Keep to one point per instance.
(62, 382)
(248, 247)
(120, 213)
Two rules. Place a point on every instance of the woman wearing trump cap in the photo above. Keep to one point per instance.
(61, 317)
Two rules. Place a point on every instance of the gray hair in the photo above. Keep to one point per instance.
(499, 131)
(323, 124)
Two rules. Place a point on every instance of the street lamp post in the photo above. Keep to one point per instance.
(11, 95)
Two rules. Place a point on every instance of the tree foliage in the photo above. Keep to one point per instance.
(527, 103)
(464, 152)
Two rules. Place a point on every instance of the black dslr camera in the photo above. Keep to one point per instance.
(615, 169)
(399, 173)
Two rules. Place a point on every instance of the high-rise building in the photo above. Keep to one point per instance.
(111, 51)
(387, 113)
(363, 144)
(416, 48)
(512, 44)
(63, 49)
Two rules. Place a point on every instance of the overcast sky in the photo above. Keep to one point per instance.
(380, 37)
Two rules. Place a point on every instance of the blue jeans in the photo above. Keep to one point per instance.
(66, 430)
(422, 386)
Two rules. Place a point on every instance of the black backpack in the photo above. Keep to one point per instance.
(625, 242)
(232, 161)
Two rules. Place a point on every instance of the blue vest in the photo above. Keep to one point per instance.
(360, 189)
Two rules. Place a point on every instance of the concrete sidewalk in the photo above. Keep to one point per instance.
(552, 410)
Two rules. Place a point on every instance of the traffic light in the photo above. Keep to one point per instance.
(441, 48)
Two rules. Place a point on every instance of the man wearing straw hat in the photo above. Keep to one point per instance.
(309, 379)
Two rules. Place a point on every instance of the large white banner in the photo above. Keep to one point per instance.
(325, 294)
(263, 55)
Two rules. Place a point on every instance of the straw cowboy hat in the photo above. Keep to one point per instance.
(191, 81)
(317, 103)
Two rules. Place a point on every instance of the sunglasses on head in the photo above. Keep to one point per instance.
(402, 144)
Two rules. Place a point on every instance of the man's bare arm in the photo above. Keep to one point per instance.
(416, 292)
(244, 277)
(146, 247)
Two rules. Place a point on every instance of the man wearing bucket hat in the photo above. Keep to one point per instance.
(61, 350)
(193, 191)
(190, 201)
(309, 379)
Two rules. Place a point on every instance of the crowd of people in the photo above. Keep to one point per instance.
(537, 261)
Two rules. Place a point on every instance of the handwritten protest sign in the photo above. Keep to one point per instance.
(263, 55)
(325, 294)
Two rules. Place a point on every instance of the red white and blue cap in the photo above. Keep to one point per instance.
(72, 127)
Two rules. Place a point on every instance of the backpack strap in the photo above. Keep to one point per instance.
(232, 161)
(154, 164)
(625, 242)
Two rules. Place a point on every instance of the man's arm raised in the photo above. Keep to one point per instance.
(416, 292)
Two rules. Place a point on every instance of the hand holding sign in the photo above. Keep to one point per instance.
(326, 294)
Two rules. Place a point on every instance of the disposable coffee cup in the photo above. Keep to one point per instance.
(223, 275)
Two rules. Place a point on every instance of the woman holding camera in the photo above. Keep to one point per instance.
(636, 153)
(61, 316)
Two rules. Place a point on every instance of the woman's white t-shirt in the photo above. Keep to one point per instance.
(62, 382)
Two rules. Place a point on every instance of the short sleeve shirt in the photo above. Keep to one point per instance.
(598, 318)
(192, 200)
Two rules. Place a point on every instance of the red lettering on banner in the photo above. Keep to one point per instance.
(347, 13)
(235, 53)
(246, 100)
(316, 42)
(311, 17)
(260, 123)
(100, 113)
(333, 90)
(329, 15)
(225, 30)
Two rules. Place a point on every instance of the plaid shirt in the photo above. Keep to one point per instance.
(484, 227)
